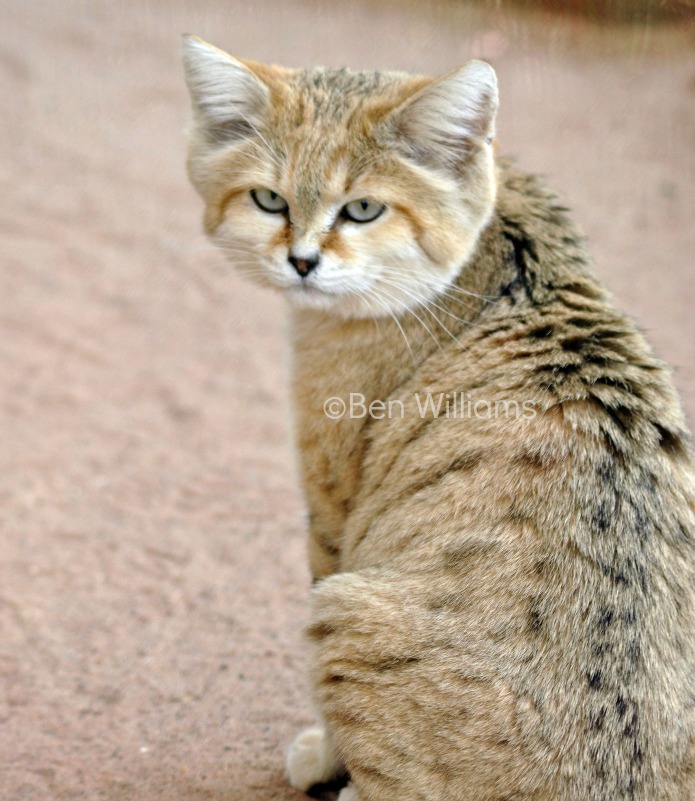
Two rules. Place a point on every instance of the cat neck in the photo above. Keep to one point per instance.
(374, 355)
(528, 251)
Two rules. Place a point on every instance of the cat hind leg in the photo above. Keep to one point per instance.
(395, 693)
(311, 760)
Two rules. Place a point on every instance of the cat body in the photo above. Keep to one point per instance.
(503, 603)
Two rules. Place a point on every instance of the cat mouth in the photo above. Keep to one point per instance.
(304, 290)
(312, 296)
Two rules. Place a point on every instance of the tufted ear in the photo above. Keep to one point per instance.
(451, 117)
(229, 100)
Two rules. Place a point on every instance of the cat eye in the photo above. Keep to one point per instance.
(269, 201)
(362, 211)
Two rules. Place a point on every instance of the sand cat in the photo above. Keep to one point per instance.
(498, 472)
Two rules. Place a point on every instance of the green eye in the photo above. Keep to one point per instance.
(362, 211)
(269, 201)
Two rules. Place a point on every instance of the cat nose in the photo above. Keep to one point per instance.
(303, 266)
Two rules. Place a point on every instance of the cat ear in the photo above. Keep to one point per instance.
(451, 117)
(229, 100)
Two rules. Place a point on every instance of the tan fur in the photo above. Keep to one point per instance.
(503, 605)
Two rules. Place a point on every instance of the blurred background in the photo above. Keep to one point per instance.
(153, 584)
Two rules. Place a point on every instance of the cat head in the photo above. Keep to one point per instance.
(362, 193)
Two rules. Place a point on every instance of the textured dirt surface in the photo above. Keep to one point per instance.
(152, 577)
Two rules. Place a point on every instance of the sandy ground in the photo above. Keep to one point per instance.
(153, 583)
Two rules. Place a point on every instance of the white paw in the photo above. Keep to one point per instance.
(311, 760)
(348, 793)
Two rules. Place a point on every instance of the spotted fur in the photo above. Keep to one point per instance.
(503, 606)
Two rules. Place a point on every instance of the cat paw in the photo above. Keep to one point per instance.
(348, 793)
(311, 760)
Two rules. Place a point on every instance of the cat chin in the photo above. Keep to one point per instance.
(354, 304)
(309, 296)
(348, 306)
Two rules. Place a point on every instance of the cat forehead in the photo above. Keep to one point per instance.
(318, 170)
(322, 122)
(320, 83)
(330, 96)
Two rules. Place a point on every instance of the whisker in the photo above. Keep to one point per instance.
(425, 304)
(424, 300)
(271, 152)
(445, 291)
(451, 287)
(417, 317)
(233, 251)
(373, 293)
(357, 294)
